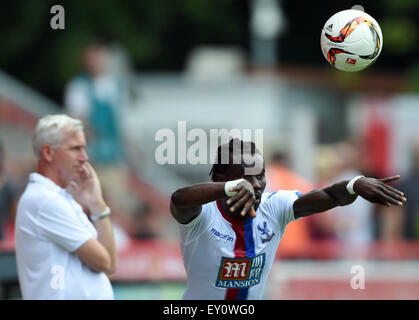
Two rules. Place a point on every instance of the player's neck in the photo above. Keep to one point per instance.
(235, 214)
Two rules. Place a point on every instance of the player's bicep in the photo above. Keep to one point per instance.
(93, 254)
(184, 215)
(180, 210)
(191, 231)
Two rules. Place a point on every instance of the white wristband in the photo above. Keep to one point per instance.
(104, 214)
(231, 184)
(350, 185)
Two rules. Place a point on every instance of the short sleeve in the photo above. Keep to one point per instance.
(281, 205)
(191, 231)
(59, 222)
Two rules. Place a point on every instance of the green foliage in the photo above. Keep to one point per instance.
(401, 35)
(400, 7)
(413, 78)
(157, 34)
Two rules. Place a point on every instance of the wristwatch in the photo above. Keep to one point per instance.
(104, 214)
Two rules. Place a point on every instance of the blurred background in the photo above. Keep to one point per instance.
(130, 68)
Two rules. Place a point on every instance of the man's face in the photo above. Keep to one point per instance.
(94, 61)
(70, 156)
(255, 174)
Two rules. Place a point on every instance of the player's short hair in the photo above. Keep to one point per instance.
(231, 154)
(49, 130)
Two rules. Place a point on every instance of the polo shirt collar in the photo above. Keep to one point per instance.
(38, 178)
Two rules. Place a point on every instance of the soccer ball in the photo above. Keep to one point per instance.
(351, 40)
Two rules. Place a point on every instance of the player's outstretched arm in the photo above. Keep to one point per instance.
(186, 203)
(373, 190)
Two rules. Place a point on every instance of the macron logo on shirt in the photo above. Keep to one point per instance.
(221, 235)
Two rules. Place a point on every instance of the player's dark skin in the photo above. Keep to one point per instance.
(186, 203)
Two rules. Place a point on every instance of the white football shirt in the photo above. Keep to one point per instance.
(230, 259)
(50, 226)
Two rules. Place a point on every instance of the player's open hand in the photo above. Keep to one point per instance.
(244, 199)
(378, 191)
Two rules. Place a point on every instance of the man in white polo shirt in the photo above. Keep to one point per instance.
(60, 253)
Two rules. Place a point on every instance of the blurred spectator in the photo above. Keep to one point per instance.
(354, 223)
(96, 96)
(8, 195)
(145, 224)
(279, 177)
(322, 225)
(410, 186)
(122, 239)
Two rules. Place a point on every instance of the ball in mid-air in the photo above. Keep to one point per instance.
(351, 40)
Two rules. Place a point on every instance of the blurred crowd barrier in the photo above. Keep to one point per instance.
(356, 279)
(153, 269)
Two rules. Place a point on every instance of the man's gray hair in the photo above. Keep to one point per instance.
(49, 131)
